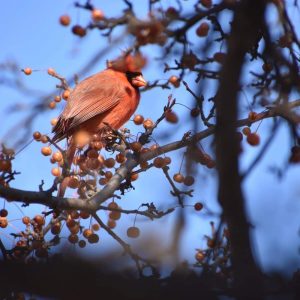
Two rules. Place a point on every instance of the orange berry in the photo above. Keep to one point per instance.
(37, 135)
(189, 180)
(267, 67)
(39, 219)
(210, 163)
(93, 238)
(148, 123)
(134, 176)
(154, 146)
(93, 163)
(115, 215)
(172, 13)
(51, 72)
(111, 223)
(206, 3)
(56, 228)
(219, 57)
(167, 160)
(84, 214)
(178, 177)
(136, 146)
(52, 105)
(66, 94)
(103, 181)
(109, 163)
(112, 205)
(5, 165)
(75, 229)
(253, 139)
(120, 158)
(200, 256)
(57, 156)
(138, 119)
(57, 98)
(27, 71)
(65, 20)
(203, 29)
(171, 117)
(56, 172)
(211, 243)
(92, 153)
(73, 238)
(108, 175)
(87, 232)
(53, 121)
(26, 220)
(79, 30)
(133, 232)
(73, 182)
(198, 206)
(195, 112)
(246, 131)
(3, 213)
(3, 222)
(144, 165)
(159, 162)
(97, 15)
(252, 115)
(175, 81)
(46, 151)
(95, 227)
(82, 243)
(44, 139)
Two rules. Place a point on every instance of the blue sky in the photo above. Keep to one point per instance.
(31, 36)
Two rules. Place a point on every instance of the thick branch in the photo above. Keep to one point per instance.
(245, 33)
(45, 198)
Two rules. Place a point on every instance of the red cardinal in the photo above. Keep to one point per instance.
(110, 96)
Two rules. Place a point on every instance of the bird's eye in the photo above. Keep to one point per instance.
(131, 75)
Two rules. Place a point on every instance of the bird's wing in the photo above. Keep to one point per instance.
(92, 96)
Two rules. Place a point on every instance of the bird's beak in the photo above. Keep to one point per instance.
(139, 81)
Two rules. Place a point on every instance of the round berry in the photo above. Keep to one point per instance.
(175, 81)
(200, 256)
(51, 72)
(27, 71)
(133, 232)
(206, 3)
(253, 139)
(3, 213)
(246, 131)
(198, 206)
(203, 29)
(79, 30)
(178, 177)
(56, 172)
(66, 94)
(120, 158)
(148, 124)
(37, 135)
(189, 180)
(171, 117)
(65, 20)
(26, 220)
(46, 151)
(159, 162)
(138, 119)
(136, 146)
(93, 238)
(109, 163)
(97, 15)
